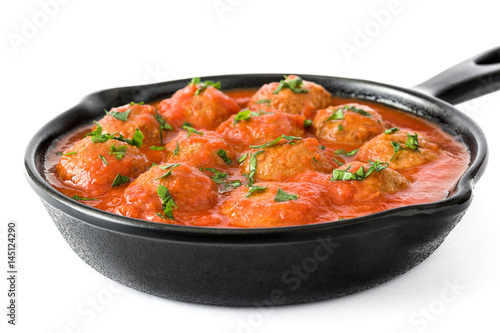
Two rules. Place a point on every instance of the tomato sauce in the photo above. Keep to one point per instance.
(315, 195)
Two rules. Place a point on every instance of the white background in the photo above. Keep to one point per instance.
(53, 55)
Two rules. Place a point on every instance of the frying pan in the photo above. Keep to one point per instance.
(272, 266)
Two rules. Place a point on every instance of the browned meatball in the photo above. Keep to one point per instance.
(258, 127)
(200, 105)
(301, 204)
(93, 167)
(203, 150)
(402, 149)
(285, 159)
(126, 119)
(348, 185)
(292, 95)
(348, 124)
(189, 189)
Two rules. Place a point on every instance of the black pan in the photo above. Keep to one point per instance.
(272, 266)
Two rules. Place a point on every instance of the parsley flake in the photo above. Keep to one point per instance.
(282, 196)
(123, 116)
(119, 180)
(292, 84)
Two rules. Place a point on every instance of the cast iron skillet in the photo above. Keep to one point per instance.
(272, 266)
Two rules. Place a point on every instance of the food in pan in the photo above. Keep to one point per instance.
(286, 154)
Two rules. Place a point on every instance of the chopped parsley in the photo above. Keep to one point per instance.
(282, 196)
(275, 141)
(171, 168)
(76, 197)
(340, 152)
(120, 179)
(391, 130)
(247, 115)
(307, 123)
(103, 159)
(203, 85)
(339, 113)
(167, 203)
(119, 151)
(176, 150)
(222, 154)
(360, 174)
(253, 167)
(220, 177)
(242, 158)
(123, 116)
(163, 125)
(292, 84)
(410, 144)
(254, 188)
(156, 148)
(264, 101)
(67, 154)
(98, 137)
(187, 126)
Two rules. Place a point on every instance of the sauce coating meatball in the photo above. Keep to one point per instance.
(205, 150)
(296, 96)
(347, 124)
(188, 187)
(93, 167)
(304, 204)
(199, 105)
(285, 159)
(402, 149)
(136, 116)
(258, 127)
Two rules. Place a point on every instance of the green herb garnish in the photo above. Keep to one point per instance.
(391, 130)
(307, 123)
(253, 188)
(242, 158)
(340, 152)
(103, 159)
(123, 116)
(156, 148)
(167, 203)
(282, 196)
(247, 115)
(119, 151)
(120, 179)
(264, 101)
(252, 167)
(336, 115)
(176, 150)
(171, 168)
(292, 84)
(412, 142)
(203, 85)
(360, 174)
(224, 157)
(76, 197)
(187, 126)
(98, 137)
(275, 141)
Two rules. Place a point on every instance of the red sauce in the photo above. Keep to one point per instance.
(318, 195)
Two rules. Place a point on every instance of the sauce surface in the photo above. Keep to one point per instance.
(252, 165)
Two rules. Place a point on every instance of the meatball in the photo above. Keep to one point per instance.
(342, 188)
(188, 189)
(285, 159)
(401, 148)
(304, 204)
(292, 95)
(347, 124)
(203, 150)
(93, 167)
(135, 116)
(258, 127)
(200, 105)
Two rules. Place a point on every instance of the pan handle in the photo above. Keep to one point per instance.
(474, 77)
